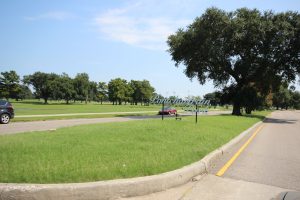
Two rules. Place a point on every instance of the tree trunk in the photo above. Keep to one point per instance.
(248, 110)
(236, 109)
(46, 100)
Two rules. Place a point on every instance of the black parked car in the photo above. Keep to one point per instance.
(6, 112)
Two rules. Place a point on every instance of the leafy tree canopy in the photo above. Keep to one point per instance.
(9, 84)
(240, 50)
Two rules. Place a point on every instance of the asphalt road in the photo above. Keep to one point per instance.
(19, 127)
(273, 157)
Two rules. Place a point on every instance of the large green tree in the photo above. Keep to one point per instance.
(119, 91)
(102, 91)
(82, 85)
(214, 98)
(142, 91)
(295, 100)
(42, 84)
(63, 88)
(93, 91)
(240, 50)
(9, 84)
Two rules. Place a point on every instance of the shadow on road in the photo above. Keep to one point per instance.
(279, 121)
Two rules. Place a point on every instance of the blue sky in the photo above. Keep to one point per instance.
(107, 39)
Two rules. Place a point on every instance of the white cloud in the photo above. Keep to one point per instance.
(54, 15)
(136, 25)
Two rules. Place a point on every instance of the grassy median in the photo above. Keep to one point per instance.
(114, 150)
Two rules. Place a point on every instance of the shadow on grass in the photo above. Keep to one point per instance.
(260, 117)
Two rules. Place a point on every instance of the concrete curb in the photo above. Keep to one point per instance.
(113, 189)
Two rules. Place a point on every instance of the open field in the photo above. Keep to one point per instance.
(34, 107)
(114, 150)
(24, 110)
(92, 110)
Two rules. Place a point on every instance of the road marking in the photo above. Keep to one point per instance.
(236, 155)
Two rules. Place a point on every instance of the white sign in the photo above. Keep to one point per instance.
(190, 102)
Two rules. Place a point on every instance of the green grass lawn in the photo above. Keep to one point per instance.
(114, 150)
(35, 107)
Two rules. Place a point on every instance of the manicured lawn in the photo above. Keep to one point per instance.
(114, 150)
(35, 107)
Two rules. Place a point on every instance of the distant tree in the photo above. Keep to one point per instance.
(24, 93)
(9, 84)
(81, 86)
(282, 98)
(42, 84)
(63, 88)
(102, 91)
(172, 98)
(213, 98)
(93, 91)
(295, 100)
(137, 91)
(239, 50)
(147, 91)
(142, 91)
(118, 90)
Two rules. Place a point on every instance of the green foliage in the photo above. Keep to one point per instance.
(214, 98)
(142, 91)
(119, 91)
(285, 98)
(241, 49)
(295, 100)
(81, 85)
(102, 91)
(9, 84)
(42, 83)
(63, 88)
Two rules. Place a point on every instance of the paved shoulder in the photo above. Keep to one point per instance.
(272, 158)
(19, 127)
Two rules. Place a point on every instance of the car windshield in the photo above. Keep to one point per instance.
(2, 102)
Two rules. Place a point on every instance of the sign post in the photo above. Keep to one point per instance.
(190, 103)
(196, 113)
(162, 113)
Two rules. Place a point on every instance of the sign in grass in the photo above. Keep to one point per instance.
(178, 101)
(191, 105)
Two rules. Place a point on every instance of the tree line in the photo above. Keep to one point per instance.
(284, 98)
(63, 87)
